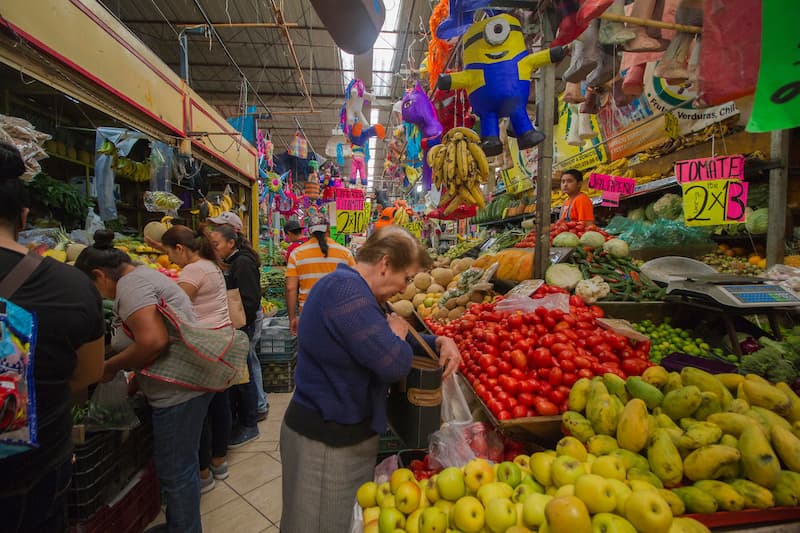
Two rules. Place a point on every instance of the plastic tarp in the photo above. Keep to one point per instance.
(103, 166)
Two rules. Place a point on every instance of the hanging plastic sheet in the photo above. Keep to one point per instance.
(123, 140)
(160, 166)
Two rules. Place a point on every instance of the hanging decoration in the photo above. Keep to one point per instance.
(497, 77)
(417, 109)
(438, 49)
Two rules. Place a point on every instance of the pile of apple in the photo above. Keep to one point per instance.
(523, 364)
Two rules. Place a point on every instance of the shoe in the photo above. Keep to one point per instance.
(262, 415)
(207, 484)
(243, 436)
(219, 472)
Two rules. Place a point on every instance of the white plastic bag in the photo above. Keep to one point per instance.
(110, 408)
(558, 301)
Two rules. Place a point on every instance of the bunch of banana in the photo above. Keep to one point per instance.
(401, 217)
(107, 148)
(459, 168)
(615, 168)
(132, 170)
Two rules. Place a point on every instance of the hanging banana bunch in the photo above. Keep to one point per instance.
(459, 168)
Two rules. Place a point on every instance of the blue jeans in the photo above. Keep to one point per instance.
(247, 409)
(176, 439)
(254, 365)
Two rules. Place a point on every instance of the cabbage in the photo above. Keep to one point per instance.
(757, 221)
(566, 239)
(669, 206)
(616, 248)
(636, 214)
(650, 212)
(592, 239)
(563, 275)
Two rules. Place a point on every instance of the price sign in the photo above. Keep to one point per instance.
(610, 199)
(352, 221)
(349, 199)
(415, 228)
(711, 168)
(613, 184)
(714, 202)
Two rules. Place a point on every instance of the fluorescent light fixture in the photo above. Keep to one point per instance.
(419, 187)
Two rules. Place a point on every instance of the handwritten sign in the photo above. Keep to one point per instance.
(617, 184)
(711, 168)
(610, 199)
(349, 200)
(415, 228)
(352, 220)
(714, 202)
(777, 102)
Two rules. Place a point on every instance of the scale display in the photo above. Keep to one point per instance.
(758, 295)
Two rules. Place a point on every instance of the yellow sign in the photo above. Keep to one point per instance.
(415, 228)
(714, 202)
(519, 178)
(590, 154)
(352, 221)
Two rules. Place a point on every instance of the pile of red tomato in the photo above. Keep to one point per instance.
(523, 364)
(578, 228)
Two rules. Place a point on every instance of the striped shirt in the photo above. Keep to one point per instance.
(308, 264)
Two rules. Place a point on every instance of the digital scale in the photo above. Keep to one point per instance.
(733, 291)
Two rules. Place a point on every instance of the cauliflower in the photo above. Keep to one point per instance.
(669, 206)
(591, 290)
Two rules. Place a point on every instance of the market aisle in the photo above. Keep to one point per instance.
(249, 501)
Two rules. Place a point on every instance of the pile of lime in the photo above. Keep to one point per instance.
(667, 339)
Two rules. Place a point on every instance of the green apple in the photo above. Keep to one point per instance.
(384, 490)
(445, 507)
(510, 473)
(407, 497)
(399, 476)
(371, 526)
(609, 467)
(621, 493)
(468, 514)
(412, 521)
(450, 483)
(567, 514)
(493, 491)
(611, 523)
(596, 492)
(388, 502)
(371, 513)
(500, 515)
(431, 492)
(522, 492)
(532, 483)
(366, 494)
(533, 509)
(523, 462)
(572, 447)
(566, 469)
(565, 490)
(478, 472)
(390, 520)
(432, 520)
(541, 464)
(648, 511)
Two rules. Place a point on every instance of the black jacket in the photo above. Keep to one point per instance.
(244, 275)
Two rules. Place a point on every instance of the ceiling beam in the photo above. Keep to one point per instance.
(315, 69)
(289, 25)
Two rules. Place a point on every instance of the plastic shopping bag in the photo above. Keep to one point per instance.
(110, 408)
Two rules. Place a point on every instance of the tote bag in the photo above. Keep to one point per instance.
(236, 309)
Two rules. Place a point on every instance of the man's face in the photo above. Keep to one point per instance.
(569, 185)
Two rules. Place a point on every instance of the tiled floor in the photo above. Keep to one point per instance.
(249, 501)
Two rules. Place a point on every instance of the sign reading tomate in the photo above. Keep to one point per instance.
(352, 213)
(714, 192)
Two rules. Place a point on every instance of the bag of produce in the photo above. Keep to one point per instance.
(110, 408)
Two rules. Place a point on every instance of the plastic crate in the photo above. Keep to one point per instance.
(278, 374)
(390, 443)
(93, 474)
(131, 510)
(277, 339)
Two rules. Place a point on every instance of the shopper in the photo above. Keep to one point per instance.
(178, 412)
(294, 235)
(68, 357)
(578, 207)
(204, 283)
(310, 262)
(243, 273)
(349, 352)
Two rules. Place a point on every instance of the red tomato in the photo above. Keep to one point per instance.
(547, 340)
(541, 358)
(504, 415)
(515, 321)
(511, 402)
(519, 360)
(485, 361)
(567, 365)
(582, 362)
(493, 371)
(585, 373)
(504, 367)
(555, 377)
(526, 398)
(597, 311)
(635, 367)
(569, 378)
(526, 386)
(519, 411)
(516, 373)
(557, 396)
(545, 407)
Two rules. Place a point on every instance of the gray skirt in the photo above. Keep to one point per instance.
(320, 482)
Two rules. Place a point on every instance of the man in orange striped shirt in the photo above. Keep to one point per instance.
(308, 263)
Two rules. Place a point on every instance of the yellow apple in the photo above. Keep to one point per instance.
(533, 509)
(518, 529)
(431, 492)
(567, 514)
(388, 502)
(500, 515)
(433, 520)
(611, 523)
(444, 506)
(384, 489)
(366, 494)
(468, 514)
(371, 513)
(565, 490)
(522, 492)
(566, 469)
(478, 472)
(572, 447)
(412, 522)
(609, 467)
(390, 520)
(621, 493)
(371, 527)
(541, 464)
(523, 461)
(596, 492)
(407, 497)
(450, 483)
(494, 490)
(648, 511)
(399, 476)
(520, 509)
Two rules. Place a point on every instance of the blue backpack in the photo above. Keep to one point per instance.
(17, 345)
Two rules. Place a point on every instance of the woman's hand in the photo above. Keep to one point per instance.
(398, 324)
(449, 356)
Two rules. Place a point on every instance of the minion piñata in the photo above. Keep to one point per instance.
(497, 76)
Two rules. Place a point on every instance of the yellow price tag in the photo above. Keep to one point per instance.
(415, 228)
(714, 202)
(351, 221)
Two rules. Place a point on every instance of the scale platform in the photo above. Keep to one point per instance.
(734, 291)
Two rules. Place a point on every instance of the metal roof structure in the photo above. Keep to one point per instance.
(276, 55)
